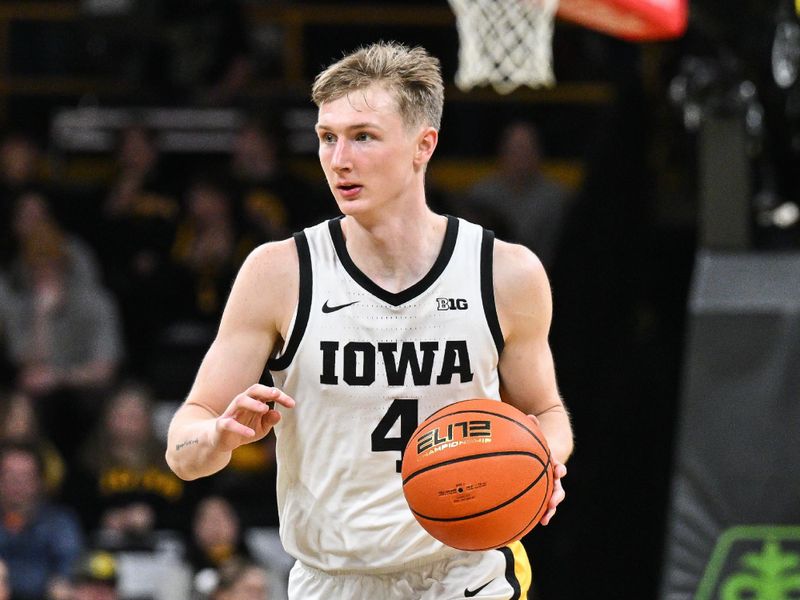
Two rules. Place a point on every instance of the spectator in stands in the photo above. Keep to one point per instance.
(208, 249)
(216, 534)
(122, 485)
(137, 226)
(5, 586)
(7, 373)
(262, 199)
(242, 580)
(39, 541)
(31, 215)
(529, 206)
(140, 192)
(20, 424)
(273, 202)
(252, 466)
(19, 163)
(19, 173)
(95, 578)
(62, 333)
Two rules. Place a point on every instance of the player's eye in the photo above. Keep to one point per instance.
(327, 138)
(363, 137)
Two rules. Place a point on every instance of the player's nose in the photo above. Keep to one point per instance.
(341, 158)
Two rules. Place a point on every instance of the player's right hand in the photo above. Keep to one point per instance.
(249, 417)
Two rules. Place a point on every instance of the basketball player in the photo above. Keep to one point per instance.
(368, 323)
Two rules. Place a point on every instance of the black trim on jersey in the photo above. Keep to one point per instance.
(266, 377)
(303, 306)
(487, 288)
(511, 574)
(395, 299)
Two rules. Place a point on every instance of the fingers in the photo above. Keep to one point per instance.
(556, 499)
(245, 403)
(256, 397)
(271, 418)
(546, 518)
(231, 425)
(249, 415)
(269, 394)
(559, 470)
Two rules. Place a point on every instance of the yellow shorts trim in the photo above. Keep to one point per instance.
(518, 569)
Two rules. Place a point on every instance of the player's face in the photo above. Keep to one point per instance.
(369, 155)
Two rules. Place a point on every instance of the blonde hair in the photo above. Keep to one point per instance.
(412, 75)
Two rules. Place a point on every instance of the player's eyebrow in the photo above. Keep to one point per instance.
(362, 125)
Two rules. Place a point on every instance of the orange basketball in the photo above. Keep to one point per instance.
(477, 474)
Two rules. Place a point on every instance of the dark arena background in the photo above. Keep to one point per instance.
(148, 145)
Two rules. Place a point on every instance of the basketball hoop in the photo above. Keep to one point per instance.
(504, 43)
(508, 43)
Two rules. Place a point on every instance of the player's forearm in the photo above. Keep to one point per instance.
(557, 429)
(191, 451)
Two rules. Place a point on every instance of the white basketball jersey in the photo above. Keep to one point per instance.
(366, 366)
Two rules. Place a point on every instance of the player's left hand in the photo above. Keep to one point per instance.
(559, 470)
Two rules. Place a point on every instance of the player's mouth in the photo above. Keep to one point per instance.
(349, 190)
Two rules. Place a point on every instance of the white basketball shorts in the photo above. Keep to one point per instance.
(502, 574)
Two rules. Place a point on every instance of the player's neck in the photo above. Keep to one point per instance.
(395, 252)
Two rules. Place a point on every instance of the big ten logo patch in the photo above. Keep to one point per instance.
(754, 563)
(451, 304)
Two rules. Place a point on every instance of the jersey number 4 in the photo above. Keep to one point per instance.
(404, 410)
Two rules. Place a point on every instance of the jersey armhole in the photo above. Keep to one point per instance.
(279, 363)
(487, 289)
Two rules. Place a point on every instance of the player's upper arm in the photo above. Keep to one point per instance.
(256, 316)
(524, 307)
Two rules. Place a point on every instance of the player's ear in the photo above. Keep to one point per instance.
(427, 139)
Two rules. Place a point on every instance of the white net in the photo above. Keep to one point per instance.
(505, 43)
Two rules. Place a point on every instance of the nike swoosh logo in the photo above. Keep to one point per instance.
(330, 309)
(468, 593)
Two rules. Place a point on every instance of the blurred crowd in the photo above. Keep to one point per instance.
(109, 295)
(103, 320)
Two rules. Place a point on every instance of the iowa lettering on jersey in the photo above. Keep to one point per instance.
(416, 358)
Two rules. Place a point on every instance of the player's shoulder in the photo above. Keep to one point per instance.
(521, 286)
(269, 264)
(273, 255)
(267, 282)
(518, 273)
(517, 262)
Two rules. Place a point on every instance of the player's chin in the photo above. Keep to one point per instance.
(354, 208)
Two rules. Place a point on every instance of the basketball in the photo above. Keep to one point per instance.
(477, 474)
